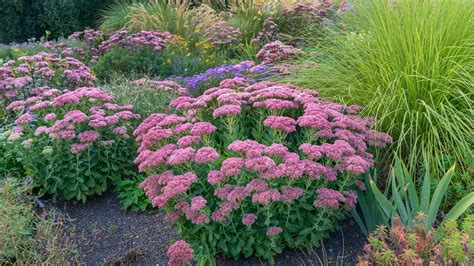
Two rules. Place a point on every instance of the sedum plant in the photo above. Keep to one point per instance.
(72, 142)
(252, 169)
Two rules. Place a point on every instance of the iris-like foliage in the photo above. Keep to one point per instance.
(250, 169)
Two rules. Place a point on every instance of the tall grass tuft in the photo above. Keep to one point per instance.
(410, 63)
(114, 17)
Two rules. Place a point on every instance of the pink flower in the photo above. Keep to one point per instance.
(198, 203)
(232, 166)
(172, 217)
(378, 139)
(215, 177)
(360, 185)
(88, 136)
(206, 155)
(180, 156)
(187, 141)
(351, 199)
(106, 143)
(227, 110)
(203, 128)
(284, 123)
(24, 119)
(256, 185)
(328, 197)
(273, 231)
(75, 116)
(224, 210)
(247, 146)
(120, 131)
(263, 165)
(266, 197)
(78, 147)
(355, 164)
(41, 130)
(291, 193)
(180, 253)
(237, 193)
(249, 219)
(67, 134)
(314, 121)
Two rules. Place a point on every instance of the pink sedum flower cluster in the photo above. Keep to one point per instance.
(254, 155)
(163, 85)
(53, 113)
(122, 38)
(19, 78)
(222, 33)
(277, 51)
(180, 253)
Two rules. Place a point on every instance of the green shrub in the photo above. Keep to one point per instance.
(177, 58)
(29, 238)
(131, 196)
(412, 73)
(147, 96)
(119, 60)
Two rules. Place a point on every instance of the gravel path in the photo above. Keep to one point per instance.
(107, 235)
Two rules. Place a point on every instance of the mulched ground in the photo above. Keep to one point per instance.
(107, 235)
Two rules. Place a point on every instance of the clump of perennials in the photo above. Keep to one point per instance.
(18, 78)
(251, 169)
(73, 142)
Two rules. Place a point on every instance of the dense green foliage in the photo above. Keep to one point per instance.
(130, 195)
(23, 19)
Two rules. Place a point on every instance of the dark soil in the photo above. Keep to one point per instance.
(108, 235)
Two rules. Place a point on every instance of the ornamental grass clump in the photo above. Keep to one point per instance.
(251, 169)
(412, 73)
(73, 142)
